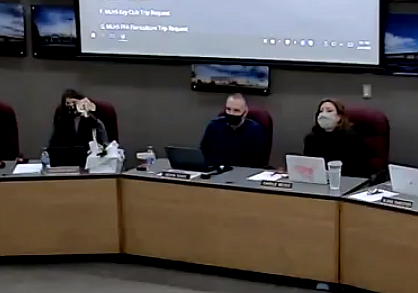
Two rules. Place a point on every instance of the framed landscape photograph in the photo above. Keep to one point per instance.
(12, 30)
(54, 33)
(231, 78)
(401, 44)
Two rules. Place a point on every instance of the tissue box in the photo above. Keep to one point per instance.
(109, 164)
(105, 165)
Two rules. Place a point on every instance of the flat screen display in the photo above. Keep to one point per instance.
(330, 31)
(54, 33)
(401, 43)
(12, 30)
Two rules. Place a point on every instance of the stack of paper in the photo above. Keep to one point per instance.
(28, 169)
(266, 176)
(365, 196)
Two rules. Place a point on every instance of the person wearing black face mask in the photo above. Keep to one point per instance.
(71, 108)
(234, 140)
(71, 129)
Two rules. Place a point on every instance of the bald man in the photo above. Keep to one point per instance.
(234, 140)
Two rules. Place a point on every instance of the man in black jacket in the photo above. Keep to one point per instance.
(232, 139)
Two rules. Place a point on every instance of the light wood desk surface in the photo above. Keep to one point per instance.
(379, 246)
(319, 237)
(46, 217)
(226, 221)
(229, 221)
(282, 235)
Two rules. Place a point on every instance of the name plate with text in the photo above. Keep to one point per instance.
(398, 202)
(63, 171)
(178, 175)
(277, 184)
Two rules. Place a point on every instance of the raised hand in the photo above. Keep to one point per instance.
(85, 107)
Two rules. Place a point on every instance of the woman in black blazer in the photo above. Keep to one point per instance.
(71, 129)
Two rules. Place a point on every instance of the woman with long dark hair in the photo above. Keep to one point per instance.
(334, 139)
(71, 128)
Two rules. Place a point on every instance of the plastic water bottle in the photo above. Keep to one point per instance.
(45, 160)
(152, 156)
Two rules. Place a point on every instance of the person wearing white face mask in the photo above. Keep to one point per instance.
(334, 139)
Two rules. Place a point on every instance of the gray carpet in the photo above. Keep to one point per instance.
(118, 278)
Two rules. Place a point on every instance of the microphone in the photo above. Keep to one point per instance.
(220, 170)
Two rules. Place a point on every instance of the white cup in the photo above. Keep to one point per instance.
(334, 174)
(144, 159)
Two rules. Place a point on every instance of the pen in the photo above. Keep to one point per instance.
(374, 191)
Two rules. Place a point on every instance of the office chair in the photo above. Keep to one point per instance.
(9, 147)
(373, 126)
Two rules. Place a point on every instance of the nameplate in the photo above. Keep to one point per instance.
(175, 175)
(277, 184)
(398, 202)
(63, 171)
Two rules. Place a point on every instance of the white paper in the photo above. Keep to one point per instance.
(28, 169)
(191, 173)
(109, 164)
(266, 176)
(364, 196)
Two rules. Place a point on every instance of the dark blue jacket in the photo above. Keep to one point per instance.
(223, 145)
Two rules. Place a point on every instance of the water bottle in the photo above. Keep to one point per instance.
(45, 160)
(152, 156)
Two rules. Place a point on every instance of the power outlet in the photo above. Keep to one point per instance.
(367, 91)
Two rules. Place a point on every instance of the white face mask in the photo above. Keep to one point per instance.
(328, 121)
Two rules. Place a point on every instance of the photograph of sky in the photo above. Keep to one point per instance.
(54, 32)
(401, 34)
(12, 21)
(55, 21)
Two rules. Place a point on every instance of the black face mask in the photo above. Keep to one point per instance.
(233, 120)
(72, 111)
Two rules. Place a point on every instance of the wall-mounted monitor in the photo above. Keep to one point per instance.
(231, 78)
(12, 30)
(54, 33)
(401, 44)
(268, 31)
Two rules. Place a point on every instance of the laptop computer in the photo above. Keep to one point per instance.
(68, 156)
(306, 169)
(404, 179)
(188, 159)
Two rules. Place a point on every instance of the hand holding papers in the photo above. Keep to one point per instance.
(85, 106)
